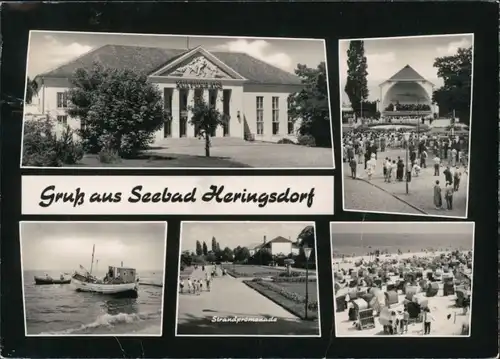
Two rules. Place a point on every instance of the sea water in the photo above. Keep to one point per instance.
(357, 244)
(59, 309)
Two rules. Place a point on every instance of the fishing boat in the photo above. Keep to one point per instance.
(119, 281)
(41, 280)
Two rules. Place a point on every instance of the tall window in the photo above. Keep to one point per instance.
(63, 120)
(276, 115)
(291, 128)
(260, 115)
(62, 100)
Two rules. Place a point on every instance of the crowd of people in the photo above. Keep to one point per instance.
(198, 285)
(450, 153)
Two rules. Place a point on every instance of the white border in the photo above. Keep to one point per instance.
(95, 335)
(249, 335)
(470, 128)
(80, 168)
(431, 336)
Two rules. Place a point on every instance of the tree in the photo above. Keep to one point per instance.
(120, 110)
(217, 247)
(455, 94)
(306, 237)
(206, 118)
(205, 248)
(241, 254)
(356, 86)
(199, 249)
(227, 255)
(31, 90)
(186, 258)
(311, 105)
(214, 244)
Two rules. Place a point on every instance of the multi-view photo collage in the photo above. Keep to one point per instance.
(122, 101)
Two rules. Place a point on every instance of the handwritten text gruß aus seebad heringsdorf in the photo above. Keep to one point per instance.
(215, 194)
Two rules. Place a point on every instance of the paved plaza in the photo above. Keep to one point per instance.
(230, 297)
(250, 154)
(377, 195)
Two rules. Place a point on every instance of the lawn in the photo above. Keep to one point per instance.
(295, 307)
(160, 160)
(300, 288)
(251, 271)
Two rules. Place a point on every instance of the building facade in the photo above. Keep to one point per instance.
(276, 246)
(410, 91)
(251, 93)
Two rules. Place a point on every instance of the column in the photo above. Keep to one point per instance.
(205, 95)
(175, 113)
(219, 104)
(159, 133)
(190, 103)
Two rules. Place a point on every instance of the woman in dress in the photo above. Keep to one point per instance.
(371, 165)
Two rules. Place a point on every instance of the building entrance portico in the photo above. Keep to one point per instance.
(177, 103)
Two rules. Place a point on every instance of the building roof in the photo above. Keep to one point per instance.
(148, 59)
(407, 73)
(278, 239)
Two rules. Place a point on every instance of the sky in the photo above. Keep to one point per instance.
(48, 50)
(237, 233)
(401, 227)
(67, 245)
(385, 57)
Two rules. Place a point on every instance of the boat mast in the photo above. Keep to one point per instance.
(92, 263)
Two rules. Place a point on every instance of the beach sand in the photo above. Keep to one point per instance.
(441, 307)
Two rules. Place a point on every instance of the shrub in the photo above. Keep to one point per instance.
(295, 297)
(286, 141)
(292, 274)
(301, 279)
(306, 140)
(43, 148)
(108, 156)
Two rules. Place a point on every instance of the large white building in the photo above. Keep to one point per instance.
(277, 246)
(406, 87)
(253, 93)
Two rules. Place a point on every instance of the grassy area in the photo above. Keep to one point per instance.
(161, 160)
(295, 307)
(251, 271)
(300, 288)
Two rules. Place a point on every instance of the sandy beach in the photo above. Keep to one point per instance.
(448, 318)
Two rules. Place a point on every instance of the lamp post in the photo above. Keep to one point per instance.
(407, 170)
(307, 254)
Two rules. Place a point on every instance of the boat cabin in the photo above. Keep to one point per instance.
(120, 275)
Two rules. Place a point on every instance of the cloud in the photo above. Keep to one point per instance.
(260, 49)
(49, 52)
(381, 59)
(60, 53)
(453, 47)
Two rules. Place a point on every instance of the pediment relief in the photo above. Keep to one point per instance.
(198, 67)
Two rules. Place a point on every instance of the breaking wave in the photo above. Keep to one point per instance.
(108, 321)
